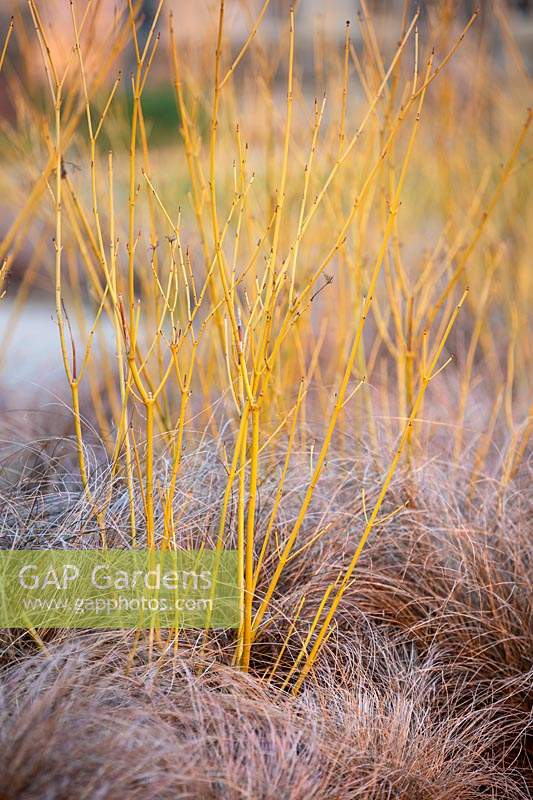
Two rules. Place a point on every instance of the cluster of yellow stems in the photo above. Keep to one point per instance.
(245, 331)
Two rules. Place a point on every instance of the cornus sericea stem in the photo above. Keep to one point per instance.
(241, 545)
(6, 42)
(240, 443)
(324, 629)
(150, 524)
(279, 490)
(343, 386)
(56, 91)
(250, 530)
(271, 283)
(285, 644)
(149, 400)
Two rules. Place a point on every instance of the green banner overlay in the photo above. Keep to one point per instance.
(118, 589)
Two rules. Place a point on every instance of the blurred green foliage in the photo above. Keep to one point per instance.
(160, 113)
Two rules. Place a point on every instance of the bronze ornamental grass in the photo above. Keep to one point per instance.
(284, 260)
